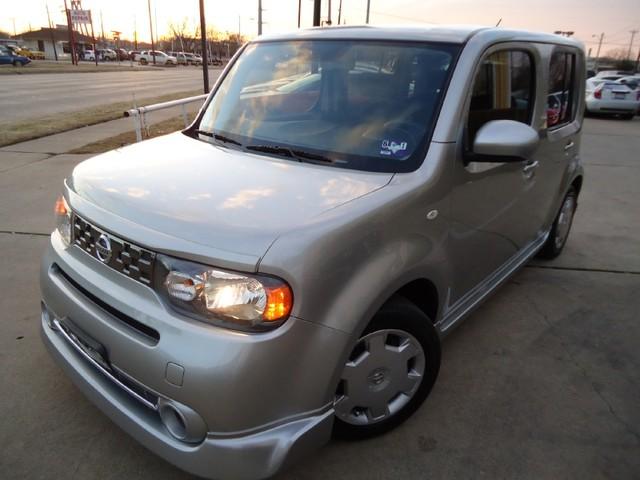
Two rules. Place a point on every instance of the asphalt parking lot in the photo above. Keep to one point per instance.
(542, 381)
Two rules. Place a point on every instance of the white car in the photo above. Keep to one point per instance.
(161, 58)
(609, 97)
(631, 81)
(89, 56)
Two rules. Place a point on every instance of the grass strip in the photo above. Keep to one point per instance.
(23, 130)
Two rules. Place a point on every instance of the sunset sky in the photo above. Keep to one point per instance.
(585, 17)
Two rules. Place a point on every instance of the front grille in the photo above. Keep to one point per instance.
(127, 258)
(150, 333)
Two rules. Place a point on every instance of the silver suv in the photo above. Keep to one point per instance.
(286, 267)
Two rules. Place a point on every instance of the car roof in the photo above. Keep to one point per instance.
(432, 33)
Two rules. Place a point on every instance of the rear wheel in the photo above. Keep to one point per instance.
(561, 226)
(143, 61)
(389, 373)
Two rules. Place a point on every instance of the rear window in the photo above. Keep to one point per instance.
(561, 97)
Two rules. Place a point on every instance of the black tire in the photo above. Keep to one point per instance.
(399, 314)
(16, 63)
(551, 248)
(143, 61)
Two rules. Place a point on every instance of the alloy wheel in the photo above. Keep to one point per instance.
(564, 220)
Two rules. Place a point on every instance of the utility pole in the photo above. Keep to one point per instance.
(14, 27)
(53, 41)
(633, 34)
(155, 21)
(259, 17)
(135, 33)
(102, 27)
(300, 10)
(329, 14)
(317, 6)
(368, 10)
(339, 12)
(595, 66)
(72, 39)
(153, 45)
(203, 46)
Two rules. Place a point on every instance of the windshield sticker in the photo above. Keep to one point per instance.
(393, 148)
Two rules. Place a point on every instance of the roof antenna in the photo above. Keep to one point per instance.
(499, 22)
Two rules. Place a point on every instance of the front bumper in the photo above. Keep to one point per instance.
(263, 400)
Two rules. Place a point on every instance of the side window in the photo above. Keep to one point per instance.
(561, 95)
(502, 90)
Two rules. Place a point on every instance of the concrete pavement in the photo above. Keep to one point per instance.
(542, 381)
(30, 96)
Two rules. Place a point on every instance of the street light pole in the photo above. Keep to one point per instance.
(595, 65)
(153, 45)
(633, 34)
(203, 46)
(300, 10)
(317, 5)
(339, 12)
(368, 10)
(259, 17)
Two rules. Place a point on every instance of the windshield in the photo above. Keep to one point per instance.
(354, 104)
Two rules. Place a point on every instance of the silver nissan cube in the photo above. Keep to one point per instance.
(284, 269)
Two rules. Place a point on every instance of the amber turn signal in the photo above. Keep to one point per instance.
(279, 303)
(60, 207)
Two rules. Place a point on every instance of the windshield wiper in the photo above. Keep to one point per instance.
(296, 154)
(219, 137)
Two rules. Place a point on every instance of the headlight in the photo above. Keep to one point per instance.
(234, 300)
(63, 219)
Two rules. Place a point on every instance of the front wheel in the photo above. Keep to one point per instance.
(390, 372)
(561, 226)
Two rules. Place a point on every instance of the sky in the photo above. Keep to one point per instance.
(587, 18)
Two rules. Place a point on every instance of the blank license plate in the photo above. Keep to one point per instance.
(619, 96)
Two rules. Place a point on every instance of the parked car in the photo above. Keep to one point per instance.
(9, 57)
(181, 58)
(121, 54)
(216, 61)
(611, 98)
(193, 59)
(25, 52)
(89, 55)
(631, 81)
(107, 55)
(134, 55)
(161, 58)
(288, 265)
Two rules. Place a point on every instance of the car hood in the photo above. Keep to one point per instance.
(222, 198)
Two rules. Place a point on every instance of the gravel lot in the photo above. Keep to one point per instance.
(542, 381)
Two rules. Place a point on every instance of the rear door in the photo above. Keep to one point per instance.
(559, 145)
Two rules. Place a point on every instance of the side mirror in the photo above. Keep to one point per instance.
(511, 140)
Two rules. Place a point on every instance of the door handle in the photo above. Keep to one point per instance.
(569, 146)
(530, 166)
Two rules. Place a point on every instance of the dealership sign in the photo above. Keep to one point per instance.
(80, 16)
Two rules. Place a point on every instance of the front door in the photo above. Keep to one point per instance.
(489, 223)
